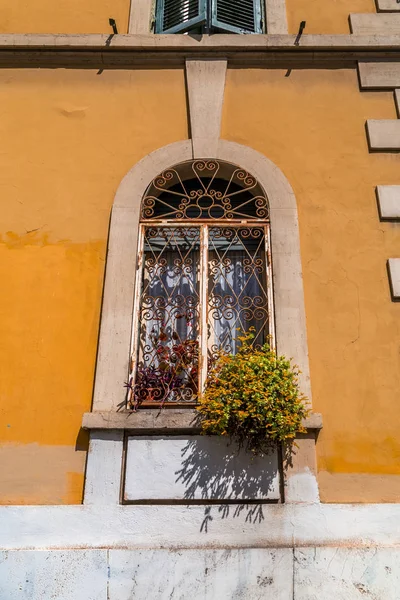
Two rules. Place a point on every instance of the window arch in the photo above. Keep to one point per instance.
(204, 276)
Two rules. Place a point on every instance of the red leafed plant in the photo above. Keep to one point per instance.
(176, 370)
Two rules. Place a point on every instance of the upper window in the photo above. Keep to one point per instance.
(204, 276)
(207, 16)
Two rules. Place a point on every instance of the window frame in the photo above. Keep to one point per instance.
(204, 226)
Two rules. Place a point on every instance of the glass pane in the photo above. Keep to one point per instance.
(169, 316)
(237, 290)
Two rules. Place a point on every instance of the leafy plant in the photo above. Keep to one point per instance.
(254, 398)
(153, 385)
(175, 369)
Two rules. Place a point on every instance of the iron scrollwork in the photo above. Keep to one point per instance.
(168, 365)
(205, 194)
(237, 292)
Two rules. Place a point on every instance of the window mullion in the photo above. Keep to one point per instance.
(203, 306)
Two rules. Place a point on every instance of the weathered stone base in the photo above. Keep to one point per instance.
(200, 552)
(211, 574)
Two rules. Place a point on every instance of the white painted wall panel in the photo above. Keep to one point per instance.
(197, 468)
(247, 574)
(103, 469)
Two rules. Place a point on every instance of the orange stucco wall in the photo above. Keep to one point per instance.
(63, 16)
(68, 138)
(91, 16)
(325, 16)
(311, 125)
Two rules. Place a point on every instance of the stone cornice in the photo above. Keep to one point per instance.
(193, 42)
(114, 51)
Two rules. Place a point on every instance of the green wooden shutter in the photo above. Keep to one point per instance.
(237, 16)
(178, 16)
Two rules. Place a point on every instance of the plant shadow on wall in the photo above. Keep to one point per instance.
(216, 472)
(253, 399)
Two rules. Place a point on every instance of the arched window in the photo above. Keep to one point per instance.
(204, 276)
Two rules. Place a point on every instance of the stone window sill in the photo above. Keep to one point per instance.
(169, 420)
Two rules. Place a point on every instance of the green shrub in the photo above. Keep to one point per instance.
(254, 398)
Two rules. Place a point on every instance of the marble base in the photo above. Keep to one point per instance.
(201, 574)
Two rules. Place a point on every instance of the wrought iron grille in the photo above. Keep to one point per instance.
(205, 190)
(168, 360)
(200, 281)
(237, 286)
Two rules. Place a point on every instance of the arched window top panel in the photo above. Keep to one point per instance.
(205, 190)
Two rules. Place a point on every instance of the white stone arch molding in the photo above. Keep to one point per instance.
(116, 320)
(115, 331)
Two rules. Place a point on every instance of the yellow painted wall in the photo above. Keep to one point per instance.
(68, 138)
(325, 16)
(311, 125)
(91, 16)
(63, 16)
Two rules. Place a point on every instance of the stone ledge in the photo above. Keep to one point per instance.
(384, 134)
(155, 526)
(375, 24)
(140, 42)
(389, 202)
(387, 6)
(379, 75)
(169, 420)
